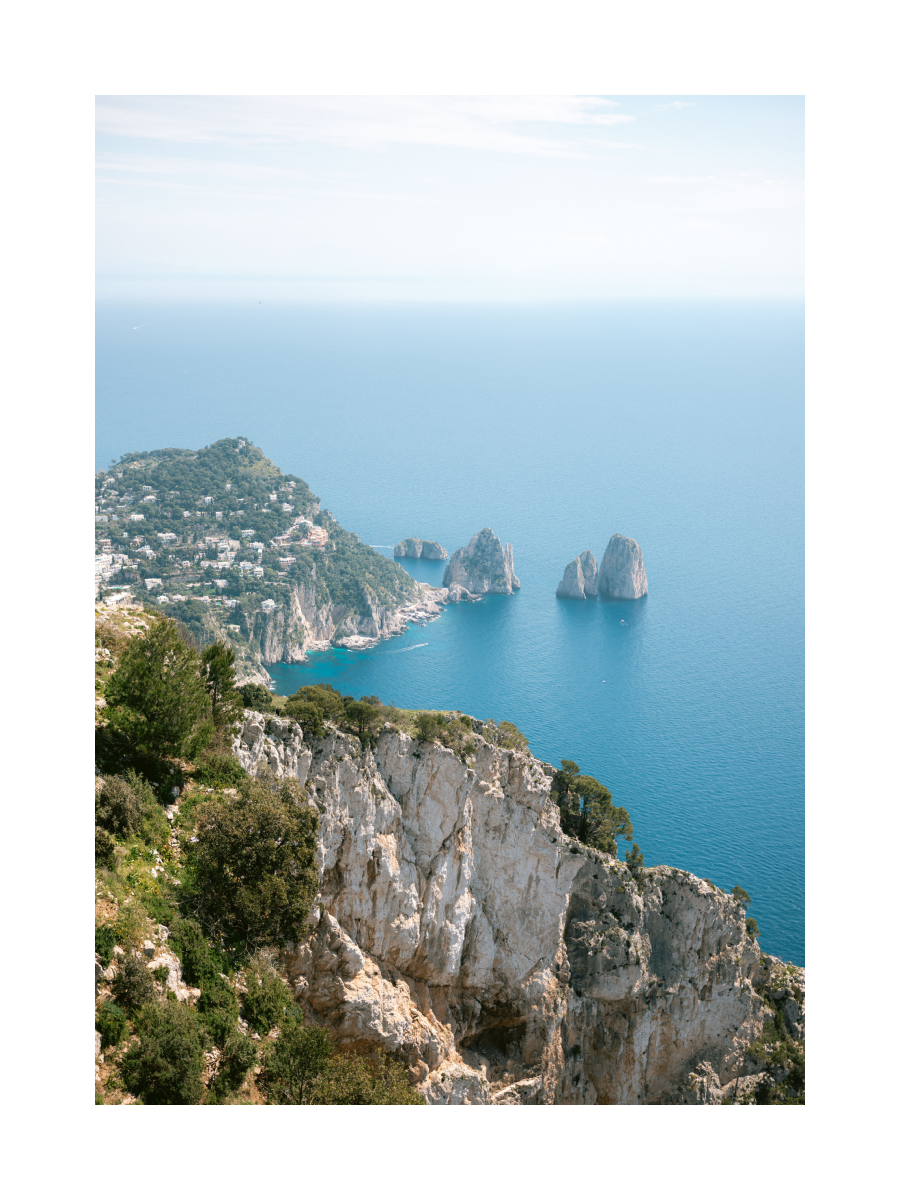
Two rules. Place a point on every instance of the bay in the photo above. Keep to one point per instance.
(680, 425)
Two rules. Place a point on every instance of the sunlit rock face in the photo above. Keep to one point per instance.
(460, 931)
(483, 566)
(622, 575)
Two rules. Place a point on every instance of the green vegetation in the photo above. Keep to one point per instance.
(111, 1023)
(166, 1067)
(268, 1000)
(252, 869)
(304, 1069)
(752, 928)
(256, 697)
(156, 697)
(586, 810)
(204, 513)
(741, 896)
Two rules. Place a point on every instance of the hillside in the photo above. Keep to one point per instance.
(336, 901)
(221, 540)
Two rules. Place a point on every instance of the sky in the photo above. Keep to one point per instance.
(457, 198)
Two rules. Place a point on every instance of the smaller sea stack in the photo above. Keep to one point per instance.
(416, 548)
(580, 578)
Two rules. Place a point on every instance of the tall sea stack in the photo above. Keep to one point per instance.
(622, 575)
(483, 566)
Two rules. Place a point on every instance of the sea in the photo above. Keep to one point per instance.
(680, 425)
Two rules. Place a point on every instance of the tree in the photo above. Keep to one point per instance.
(634, 857)
(217, 673)
(307, 715)
(155, 695)
(429, 725)
(363, 719)
(255, 696)
(167, 1066)
(253, 865)
(586, 810)
(350, 1079)
(299, 1057)
(741, 896)
(752, 928)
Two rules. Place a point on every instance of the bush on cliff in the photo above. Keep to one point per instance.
(133, 985)
(252, 870)
(267, 1000)
(218, 770)
(255, 697)
(308, 716)
(125, 805)
(110, 1024)
(104, 849)
(156, 697)
(586, 810)
(166, 1067)
(303, 1068)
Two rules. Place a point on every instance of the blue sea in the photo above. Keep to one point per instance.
(677, 424)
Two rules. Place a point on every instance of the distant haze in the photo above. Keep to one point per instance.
(449, 198)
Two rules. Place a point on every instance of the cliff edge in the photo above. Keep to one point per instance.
(460, 931)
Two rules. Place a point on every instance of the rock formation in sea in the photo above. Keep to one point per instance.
(622, 575)
(483, 566)
(459, 930)
(580, 578)
(416, 548)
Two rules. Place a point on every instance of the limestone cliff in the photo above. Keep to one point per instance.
(622, 575)
(286, 633)
(458, 929)
(485, 565)
(416, 548)
(580, 578)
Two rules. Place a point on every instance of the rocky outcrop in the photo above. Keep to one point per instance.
(580, 578)
(459, 930)
(416, 548)
(271, 743)
(455, 594)
(483, 566)
(286, 633)
(622, 575)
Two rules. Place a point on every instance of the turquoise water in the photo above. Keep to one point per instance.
(678, 425)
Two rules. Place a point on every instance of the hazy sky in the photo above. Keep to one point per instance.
(449, 198)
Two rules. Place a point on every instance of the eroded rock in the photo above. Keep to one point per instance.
(484, 566)
(622, 575)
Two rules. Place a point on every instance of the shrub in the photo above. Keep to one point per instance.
(752, 928)
(740, 895)
(307, 715)
(217, 1009)
(126, 805)
(104, 941)
(167, 1066)
(429, 726)
(298, 1058)
(267, 998)
(255, 697)
(238, 1056)
(133, 984)
(218, 770)
(634, 857)
(104, 849)
(253, 867)
(129, 925)
(349, 1079)
(117, 806)
(111, 1024)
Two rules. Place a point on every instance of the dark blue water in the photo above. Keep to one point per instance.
(678, 425)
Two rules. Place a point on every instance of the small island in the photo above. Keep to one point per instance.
(483, 566)
(580, 578)
(413, 547)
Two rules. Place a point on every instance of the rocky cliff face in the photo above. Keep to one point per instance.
(461, 931)
(622, 575)
(416, 548)
(485, 565)
(580, 578)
